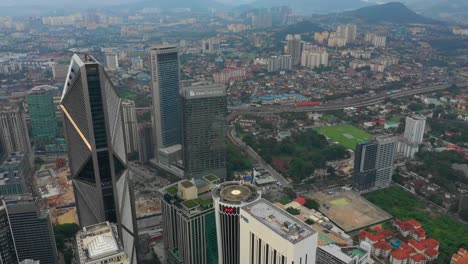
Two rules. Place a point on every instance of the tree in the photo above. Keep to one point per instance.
(312, 204)
(249, 140)
(290, 193)
(310, 221)
(293, 211)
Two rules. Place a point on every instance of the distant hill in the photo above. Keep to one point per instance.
(393, 12)
(308, 7)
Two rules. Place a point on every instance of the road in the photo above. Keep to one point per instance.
(336, 105)
(255, 157)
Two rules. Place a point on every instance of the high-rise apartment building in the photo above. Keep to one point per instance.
(42, 114)
(13, 130)
(7, 243)
(263, 19)
(94, 129)
(373, 163)
(334, 254)
(211, 45)
(59, 72)
(376, 40)
(167, 115)
(204, 110)
(145, 138)
(229, 198)
(112, 61)
(272, 235)
(137, 63)
(413, 135)
(189, 222)
(130, 126)
(32, 231)
(294, 48)
(313, 56)
(279, 63)
(100, 243)
(348, 31)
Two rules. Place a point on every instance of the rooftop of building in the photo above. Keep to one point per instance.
(279, 221)
(10, 178)
(344, 253)
(171, 149)
(236, 193)
(100, 242)
(203, 91)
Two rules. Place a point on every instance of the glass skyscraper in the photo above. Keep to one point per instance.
(7, 244)
(204, 121)
(42, 114)
(166, 116)
(94, 130)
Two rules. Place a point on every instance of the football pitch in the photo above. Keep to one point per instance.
(346, 135)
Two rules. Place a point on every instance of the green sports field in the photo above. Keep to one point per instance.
(346, 135)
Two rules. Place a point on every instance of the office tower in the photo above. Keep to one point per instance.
(130, 126)
(13, 130)
(137, 63)
(277, 63)
(348, 31)
(32, 231)
(373, 163)
(211, 45)
(189, 222)
(112, 61)
(100, 243)
(228, 198)
(7, 243)
(145, 138)
(334, 254)
(204, 110)
(94, 129)
(413, 135)
(272, 235)
(167, 113)
(294, 47)
(42, 114)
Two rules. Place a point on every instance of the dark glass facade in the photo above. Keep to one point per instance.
(7, 245)
(365, 160)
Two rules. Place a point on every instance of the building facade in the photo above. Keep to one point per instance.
(145, 140)
(277, 63)
(112, 61)
(229, 198)
(189, 222)
(166, 115)
(204, 111)
(94, 129)
(294, 48)
(28, 222)
(130, 126)
(348, 32)
(413, 135)
(42, 114)
(13, 130)
(7, 243)
(272, 235)
(373, 163)
(334, 254)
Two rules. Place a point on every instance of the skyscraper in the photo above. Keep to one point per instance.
(112, 61)
(130, 126)
(204, 121)
(32, 231)
(373, 163)
(413, 136)
(348, 31)
(42, 114)
(228, 198)
(294, 48)
(13, 130)
(189, 222)
(7, 243)
(272, 235)
(166, 97)
(94, 129)
(145, 138)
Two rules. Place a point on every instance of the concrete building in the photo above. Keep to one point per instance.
(94, 129)
(279, 63)
(98, 244)
(14, 171)
(262, 20)
(376, 40)
(137, 63)
(294, 48)
(7, 243)
(211, 45)
(313, 56)
(204, 111)
(166, 116)
(42, 116)
(348, 32)
(373, 163)
(229, 198)
(334, 254)
(130, 126)
(272, 235)
(28, 222)
(230, 74)
(13, 130)
(413, 136)
(112, 61)
(189, 222)
(59, 72)
(145, 140)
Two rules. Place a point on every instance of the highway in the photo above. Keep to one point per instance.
(336, 105)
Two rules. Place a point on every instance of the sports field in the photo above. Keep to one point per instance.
(346, 135)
